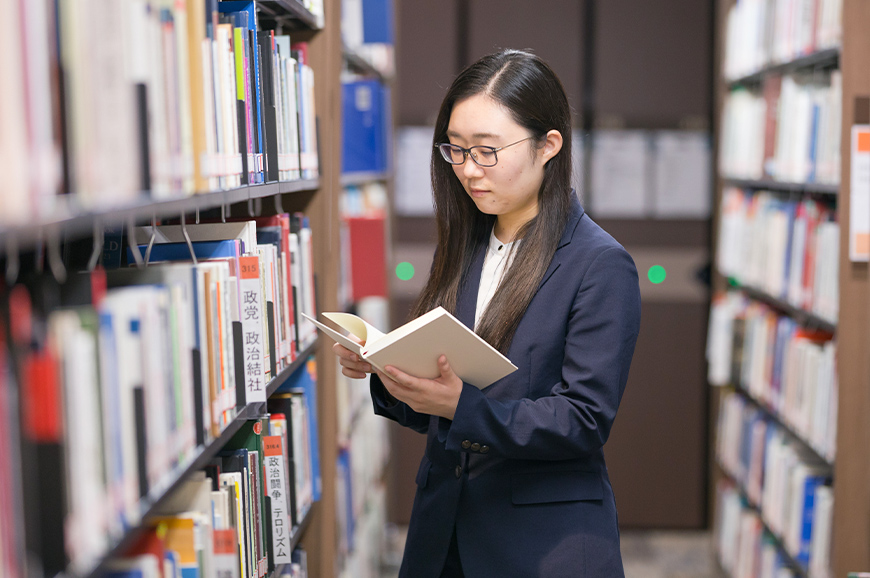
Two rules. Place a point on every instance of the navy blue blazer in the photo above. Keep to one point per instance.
(519, 472)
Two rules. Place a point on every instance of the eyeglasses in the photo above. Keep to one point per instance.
(483, 156)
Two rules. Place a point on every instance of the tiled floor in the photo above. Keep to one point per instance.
(669, 554)
(645, 554)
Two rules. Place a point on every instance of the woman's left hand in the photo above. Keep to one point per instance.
(438, 396)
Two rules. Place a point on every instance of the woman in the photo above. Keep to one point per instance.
(513, 480)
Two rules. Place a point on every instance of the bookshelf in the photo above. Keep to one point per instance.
(360, 65)
(290, 13)
(358, 179)
(798, 570)
(771, 185)
(75, 222)
(203, 454)
(808, 59)
(70, 220)
(802, 316)
(821, 60)
(774, 416)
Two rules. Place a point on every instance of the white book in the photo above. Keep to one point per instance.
(14, 199)
(276, 487)
(246, 231)
(235, 485)
(251, 315)
(416, 346)
(86, 523)
(147, 564)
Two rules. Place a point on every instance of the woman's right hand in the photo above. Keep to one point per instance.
(351, 364)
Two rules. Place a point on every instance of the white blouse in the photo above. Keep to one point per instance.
(497, 261)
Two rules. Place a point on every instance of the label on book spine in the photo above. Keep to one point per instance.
(276, 486)
(226, 554)
(251, 314)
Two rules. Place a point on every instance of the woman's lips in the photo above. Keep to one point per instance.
(477, 193)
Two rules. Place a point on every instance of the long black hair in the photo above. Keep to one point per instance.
(534, 97)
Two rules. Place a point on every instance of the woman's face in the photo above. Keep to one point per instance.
(510, 188)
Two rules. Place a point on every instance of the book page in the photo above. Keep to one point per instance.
(355, 325)
(336, 336)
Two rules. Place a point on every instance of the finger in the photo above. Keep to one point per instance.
(400, 376)
(345, 353)
(444, 367)
(361, 366)
(353, 374)
(390, 383)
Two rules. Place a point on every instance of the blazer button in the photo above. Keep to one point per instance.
(466, 444)
(475, 447)
(484, 449)
(458, 472)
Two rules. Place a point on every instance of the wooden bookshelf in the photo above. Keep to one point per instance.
(851, 469)
(851, 523)
(771, 185)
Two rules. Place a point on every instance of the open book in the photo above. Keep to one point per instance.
(416, 346)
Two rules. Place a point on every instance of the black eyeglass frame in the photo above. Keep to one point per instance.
(468, 151)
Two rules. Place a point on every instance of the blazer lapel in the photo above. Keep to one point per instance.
(576, 213)
(466, 303)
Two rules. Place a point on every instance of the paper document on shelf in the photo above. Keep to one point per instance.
(681, 168)
(859, 195)
(413, 186)
(416, 346)
(620, 174)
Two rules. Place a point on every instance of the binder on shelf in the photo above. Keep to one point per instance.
(365, 126)
(368, 255)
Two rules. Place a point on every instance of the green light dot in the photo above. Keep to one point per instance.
(656, 274)
(404, 271)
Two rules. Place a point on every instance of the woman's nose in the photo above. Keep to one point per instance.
(470, 168)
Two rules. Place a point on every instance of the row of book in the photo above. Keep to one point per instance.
(360, 524)
(105, 101)
(746, 549)
(790, 131)
(237, 518)
(760, 33)
(787, 248)
(153, 363)
(789, 369)
(779, 477)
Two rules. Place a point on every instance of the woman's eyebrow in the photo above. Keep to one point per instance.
(454, 134)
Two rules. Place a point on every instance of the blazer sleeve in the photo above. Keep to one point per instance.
(388, 406)
(576, 417)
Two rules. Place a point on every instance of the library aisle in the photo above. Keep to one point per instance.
(186, 180)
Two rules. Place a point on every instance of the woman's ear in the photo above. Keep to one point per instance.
(552, 145)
